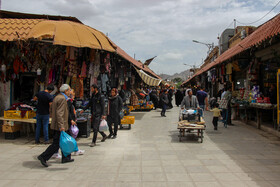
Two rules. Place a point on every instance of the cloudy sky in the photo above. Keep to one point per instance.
(162, 28)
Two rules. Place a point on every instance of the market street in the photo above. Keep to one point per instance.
(150, 154)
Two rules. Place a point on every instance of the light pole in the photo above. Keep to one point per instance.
(210, 46)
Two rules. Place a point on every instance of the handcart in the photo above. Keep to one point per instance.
(191, 124)
(185, 126)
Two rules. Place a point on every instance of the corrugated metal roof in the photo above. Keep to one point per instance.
(263, 32)
(12, 29)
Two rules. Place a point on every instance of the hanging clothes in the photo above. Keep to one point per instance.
(104, 80)
(84, 70)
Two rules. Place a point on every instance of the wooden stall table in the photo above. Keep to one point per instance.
(30, 121)
(264, 106)
(196, 127)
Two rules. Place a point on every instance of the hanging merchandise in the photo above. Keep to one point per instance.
(132, 81)
(229, 67)
(107, 63)
(92, 55)
(74, 82)
(68, 80)
(104, 80)
(84, 70)
(81, 87)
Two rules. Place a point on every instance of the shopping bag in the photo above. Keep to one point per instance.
(103, 125)
(67, 144)
(74, 131)
(121, 114)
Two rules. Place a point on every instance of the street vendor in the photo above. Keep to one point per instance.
(189, 101)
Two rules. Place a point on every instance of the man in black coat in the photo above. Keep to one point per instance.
(164, 102)
(97, 105)
(115, 106)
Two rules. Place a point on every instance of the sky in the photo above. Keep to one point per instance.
(162, 28)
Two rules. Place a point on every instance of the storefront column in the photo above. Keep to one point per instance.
(5, 96)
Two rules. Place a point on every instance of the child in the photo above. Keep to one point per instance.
(216, 114)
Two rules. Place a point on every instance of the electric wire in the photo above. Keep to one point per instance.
(260, 18)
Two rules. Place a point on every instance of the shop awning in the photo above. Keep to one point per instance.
(149, 80)
(264, 32)
(70, 33)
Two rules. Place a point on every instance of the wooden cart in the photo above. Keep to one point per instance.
(197, 128)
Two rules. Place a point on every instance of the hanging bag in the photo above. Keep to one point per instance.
(74, 131)
(67, 144)
(103, 125)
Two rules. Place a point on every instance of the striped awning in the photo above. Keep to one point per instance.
(149, 80)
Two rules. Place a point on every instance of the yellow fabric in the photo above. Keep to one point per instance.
(229, 68)
(216, 112)
(148, 79)
(69, 33)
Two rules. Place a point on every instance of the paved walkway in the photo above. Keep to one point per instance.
(150, 155)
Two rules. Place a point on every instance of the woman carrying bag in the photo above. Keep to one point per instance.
(115, 106)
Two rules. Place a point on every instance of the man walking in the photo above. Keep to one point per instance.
(189, 101)
(97, 105)
(164, 102)
(59, 123)
(202, 98)
(43, 113)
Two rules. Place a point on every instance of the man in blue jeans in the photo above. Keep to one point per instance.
(202, 98)
(43, 114)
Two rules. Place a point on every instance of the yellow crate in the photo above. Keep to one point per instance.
(128, 120)
(16, 114)
(130, 108)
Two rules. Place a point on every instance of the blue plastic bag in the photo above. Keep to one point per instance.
(67, 144)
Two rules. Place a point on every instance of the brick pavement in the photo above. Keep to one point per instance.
(150, 154)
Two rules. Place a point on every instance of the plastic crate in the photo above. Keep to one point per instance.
(128, 120)
(16, 114)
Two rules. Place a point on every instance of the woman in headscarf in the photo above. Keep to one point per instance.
(115, 106)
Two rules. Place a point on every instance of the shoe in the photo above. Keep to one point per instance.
(56, 156)
(66, 160)
(47, 142)
(163, 115)
(104, 138)
(110, 136)
(114, 137)
(43, 161)
(37, 142)
(92, 144)
(215, 129)
(80, 152)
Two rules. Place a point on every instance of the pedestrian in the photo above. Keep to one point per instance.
(97, 105)
(170, 95)
(154, 98)
(216, 114)
(178, 97)
(43, 113)
(59, 123)
(115, 105)
(72, 116)
(202, 98)
(189, 101)
(164, 102)
(225, 106)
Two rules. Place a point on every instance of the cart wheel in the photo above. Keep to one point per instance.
(121, 127)
(201, 136)
(129, 126)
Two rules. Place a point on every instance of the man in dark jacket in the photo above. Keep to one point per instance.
(97, 105)
(114, 108)
(154, 98)
(164, 102)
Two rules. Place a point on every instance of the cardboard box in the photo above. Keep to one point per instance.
(8, 128)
